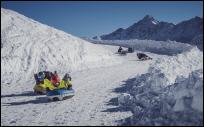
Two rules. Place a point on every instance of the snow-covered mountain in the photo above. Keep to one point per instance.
(28, 46)
(151, 29)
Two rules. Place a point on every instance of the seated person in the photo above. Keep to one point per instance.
(142, 56)
(67, 79)
(55, 79)
(65, 82)
(120, 49)
(48, 75)
(40, 77)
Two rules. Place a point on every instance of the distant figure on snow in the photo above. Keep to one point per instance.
(130, 50)
(143, 56)
(120, 49)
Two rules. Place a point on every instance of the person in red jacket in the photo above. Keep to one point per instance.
(55, 79)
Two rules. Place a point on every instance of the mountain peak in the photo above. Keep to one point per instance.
(119, 29)
(197, 18)
(152, 29)
(149, 19)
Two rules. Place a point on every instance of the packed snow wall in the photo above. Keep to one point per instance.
(28, 46)
(159, 47)
(171, 93)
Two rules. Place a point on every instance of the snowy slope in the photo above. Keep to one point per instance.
(95, 102)
(180, 104)
(171, 93)
(28, 46)
(179, 65)
(90, 105)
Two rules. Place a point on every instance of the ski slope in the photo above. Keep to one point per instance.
(94, 89)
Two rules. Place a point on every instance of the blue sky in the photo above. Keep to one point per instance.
(92, 18)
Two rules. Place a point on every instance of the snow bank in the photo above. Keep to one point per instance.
(178, 65)
(159, 47)
(178, 104)
(188, 92)
(198, 40)
(28, 46)
(171, 93)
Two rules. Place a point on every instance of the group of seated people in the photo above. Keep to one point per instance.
(52, 81)
(141, 56)
(130, 50)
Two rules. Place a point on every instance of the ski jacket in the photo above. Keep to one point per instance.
(48, 84)
(64, 84)
(55, 79)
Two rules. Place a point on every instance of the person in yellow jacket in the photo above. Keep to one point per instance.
(65, 82)
(40, 86)
(48, 84)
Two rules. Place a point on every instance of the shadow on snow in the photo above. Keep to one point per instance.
(125, 87)
(39, 100)
(27, 93)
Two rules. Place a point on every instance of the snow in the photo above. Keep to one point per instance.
(190, 87)
(159, 47)
(110, 89)
(89, 106)
(172, 86)
(198, 40)
(178, 65)
(154, 22)
(29, 46)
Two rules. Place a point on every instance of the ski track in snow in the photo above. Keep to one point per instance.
(88, 107)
